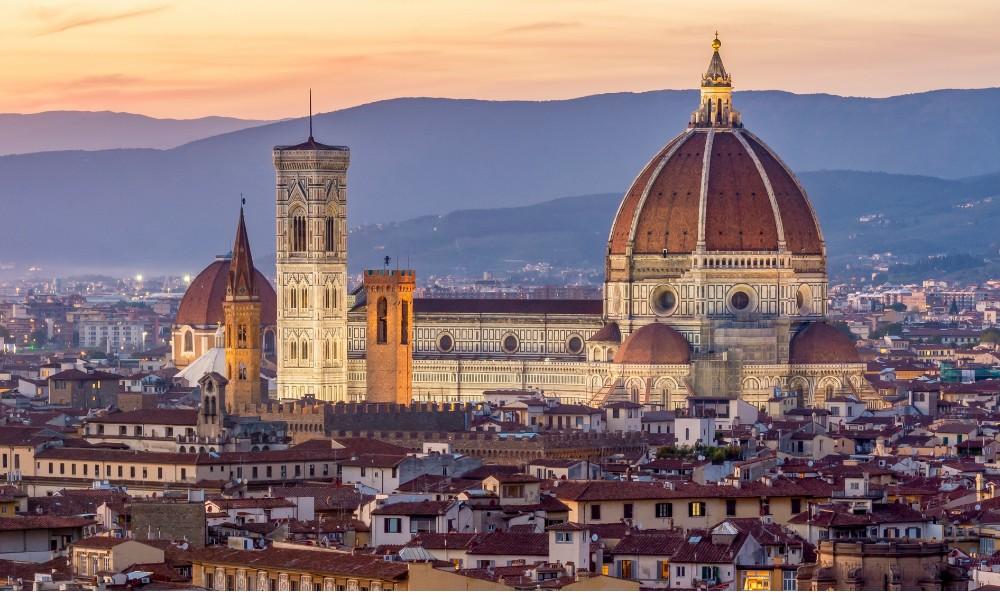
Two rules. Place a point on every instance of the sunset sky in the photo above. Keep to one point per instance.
(188, 58)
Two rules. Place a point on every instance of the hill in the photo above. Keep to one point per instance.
(103, 130)
(912, 217)
(171, 210)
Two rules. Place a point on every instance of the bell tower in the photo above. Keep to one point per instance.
(389, 341)
(241, 310)
(311, 215)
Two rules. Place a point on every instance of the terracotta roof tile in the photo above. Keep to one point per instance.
(314, 561)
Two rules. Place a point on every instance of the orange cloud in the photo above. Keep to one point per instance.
(58, 21)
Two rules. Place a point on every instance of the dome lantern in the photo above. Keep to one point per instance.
(716, 106)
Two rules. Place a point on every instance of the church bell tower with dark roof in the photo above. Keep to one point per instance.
(242, 326)
(311, 260)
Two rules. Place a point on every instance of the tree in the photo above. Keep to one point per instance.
(990, 337)
(898, 307)
(888, 329)
(39, 338)
(844, 328)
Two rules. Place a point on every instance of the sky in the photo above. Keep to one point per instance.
(256, 59)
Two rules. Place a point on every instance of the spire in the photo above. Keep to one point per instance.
(241, 271)
(716, 106)
(716, 74)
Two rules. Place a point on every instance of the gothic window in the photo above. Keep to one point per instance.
(188, 341)
(383, 321)
(404, 323)
(328, 297)
(297, 234)
(330, 235)
(305, 297)
(243, 372)
(293, 349)
(293, 299)
(305, 350)
(241, 336)
(326, 350)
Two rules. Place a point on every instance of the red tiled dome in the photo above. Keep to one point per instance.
(820, 343)
(654, 344)
(202, 302)
(752, 201)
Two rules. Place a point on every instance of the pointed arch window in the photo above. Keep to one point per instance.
(297, 235)
(330, 234)
(305, 349)
(241, 336)
(383, 321)
(293, 350)
(328, 296)
(243, 372)
(404, 323)
(293, 299)
(305, 297)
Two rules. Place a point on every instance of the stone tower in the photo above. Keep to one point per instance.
(212, 412)
(241, 310)
(389, 348)
(310, 188)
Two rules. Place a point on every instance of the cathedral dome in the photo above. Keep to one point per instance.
(821, 344)
(718, 189)
(715, 187)
(654, 344)
(202, 302)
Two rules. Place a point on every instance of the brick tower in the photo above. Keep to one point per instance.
(389, 348)
(241, 310)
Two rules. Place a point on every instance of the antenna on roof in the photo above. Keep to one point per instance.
(310, 114)
(243, 200)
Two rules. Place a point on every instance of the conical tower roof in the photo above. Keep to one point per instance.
(242, 282)
(716, 74)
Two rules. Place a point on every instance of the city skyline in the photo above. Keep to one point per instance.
(181, 60)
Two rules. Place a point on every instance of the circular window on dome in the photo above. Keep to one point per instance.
(803, 300)
(574, 344)
(740, 301)
(510, 343)
(446, 343)
(663, 300)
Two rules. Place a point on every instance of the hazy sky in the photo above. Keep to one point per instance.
(185, 58)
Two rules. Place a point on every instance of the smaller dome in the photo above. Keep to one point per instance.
(201, 305)
(819, 344)
(608, 333)
(654, 344)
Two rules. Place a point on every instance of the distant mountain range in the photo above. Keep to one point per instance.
(172, 210)
(105, 130)
(861, 213)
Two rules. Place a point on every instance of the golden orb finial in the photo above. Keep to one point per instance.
(716, 44)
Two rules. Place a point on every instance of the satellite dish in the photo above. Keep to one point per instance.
(979, 507)
(810, 463)
(593, 537)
